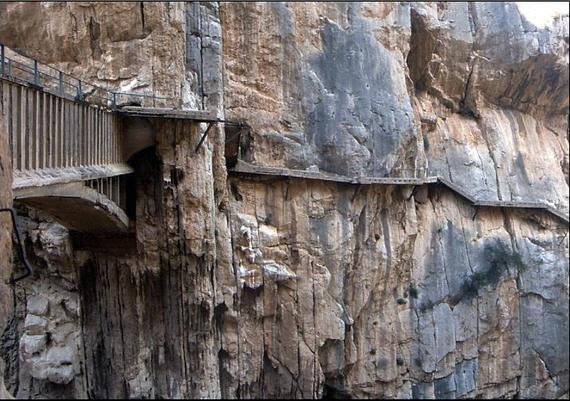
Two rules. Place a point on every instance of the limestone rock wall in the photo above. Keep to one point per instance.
(499, 120)
(6, 295)
(127, 46)
(42, 343)
(288, 73)
(372, 299)
(243, 287)
(473, 92)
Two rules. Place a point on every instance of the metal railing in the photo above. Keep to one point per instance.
(20, 68)
(113, 188)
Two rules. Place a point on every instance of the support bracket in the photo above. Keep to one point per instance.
(203, 137)
(475, 213)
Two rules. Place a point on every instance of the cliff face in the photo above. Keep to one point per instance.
(244, 287)
(464, 91)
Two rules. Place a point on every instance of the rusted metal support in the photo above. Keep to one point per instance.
(203, 137)
(413, 193)
(20, 249)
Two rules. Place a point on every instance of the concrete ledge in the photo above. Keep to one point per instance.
(77, 207)
(50, 176)
(194, 115)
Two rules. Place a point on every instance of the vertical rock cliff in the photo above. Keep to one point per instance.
(245, 286)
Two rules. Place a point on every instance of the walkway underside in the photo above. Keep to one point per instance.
(49, 176)
(77, 207)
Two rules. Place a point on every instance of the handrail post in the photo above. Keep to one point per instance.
(61, 89)
(36, 74)
(79, 91)
(1, 59)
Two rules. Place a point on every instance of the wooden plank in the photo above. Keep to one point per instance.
(72, 137)
(53, 132)
(69, 136)
(117, 128)
(87, 137)
(156, 112)
(102, 137)
(105, 137)
(61, 154)
(109, 138)
(100, 134)
(44, 130)
(56, 123)
(83, 136)
(32, 110)
(49, 131)
(93, 137)
(117, 133)
(22, 129)
(46, 126)
(70, 150)
(17, 125)
(97, 138)
(65, 130)
(5, 117)
(36, 130)
(76, 134)
(59, 134)
(94, 131)
(16, 149)
(30, 137)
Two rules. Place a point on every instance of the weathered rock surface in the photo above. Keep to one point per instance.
(242, 287)
(6, 296)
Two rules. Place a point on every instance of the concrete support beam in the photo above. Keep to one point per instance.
(51, 176)
(77, 207)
